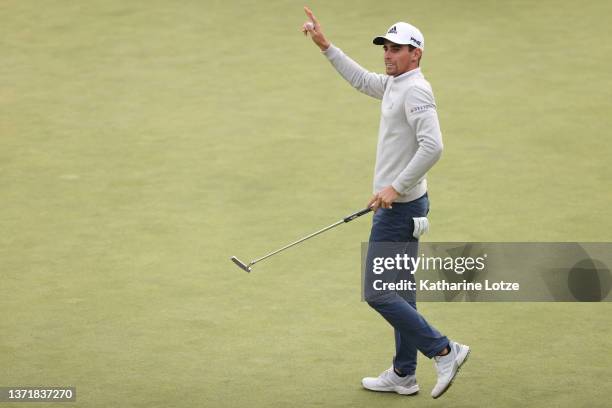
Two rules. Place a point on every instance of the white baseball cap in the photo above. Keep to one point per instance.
(402, 33)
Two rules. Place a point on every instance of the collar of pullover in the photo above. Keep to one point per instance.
(409, 74)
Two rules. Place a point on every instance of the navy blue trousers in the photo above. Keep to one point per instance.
(412, 332)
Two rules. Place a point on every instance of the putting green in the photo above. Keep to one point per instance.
(143, 143)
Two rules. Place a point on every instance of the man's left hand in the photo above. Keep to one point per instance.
(384, 198)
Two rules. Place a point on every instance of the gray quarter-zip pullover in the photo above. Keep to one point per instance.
(409, 137)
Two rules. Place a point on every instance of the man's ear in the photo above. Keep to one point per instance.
(417, 54)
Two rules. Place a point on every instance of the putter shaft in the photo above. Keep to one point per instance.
(297, 242)
(349, 218)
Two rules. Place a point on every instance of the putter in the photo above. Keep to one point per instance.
(247, 267)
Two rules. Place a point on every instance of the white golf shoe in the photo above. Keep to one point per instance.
(447, 367)
(390, 381)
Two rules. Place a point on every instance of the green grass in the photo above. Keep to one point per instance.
(144, 143)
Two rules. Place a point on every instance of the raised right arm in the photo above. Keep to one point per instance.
(369, 83)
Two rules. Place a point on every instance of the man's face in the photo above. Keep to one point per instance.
(399, 58)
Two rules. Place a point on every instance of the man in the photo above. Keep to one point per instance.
(409, 144)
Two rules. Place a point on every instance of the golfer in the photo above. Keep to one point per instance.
(409, 144)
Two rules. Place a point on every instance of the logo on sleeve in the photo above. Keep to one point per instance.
(422, 108)
(392, 30)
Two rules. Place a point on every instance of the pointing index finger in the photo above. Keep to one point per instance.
(310, 15)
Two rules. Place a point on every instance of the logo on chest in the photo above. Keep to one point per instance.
(422, 108)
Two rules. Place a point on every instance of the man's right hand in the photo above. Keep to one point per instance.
(315, 31)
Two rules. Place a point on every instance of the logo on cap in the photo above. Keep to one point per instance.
(415, 41)
(393, 30)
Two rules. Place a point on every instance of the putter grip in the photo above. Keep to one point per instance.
(357, 214)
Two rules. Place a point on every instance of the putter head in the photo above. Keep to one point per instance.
(241, 264)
